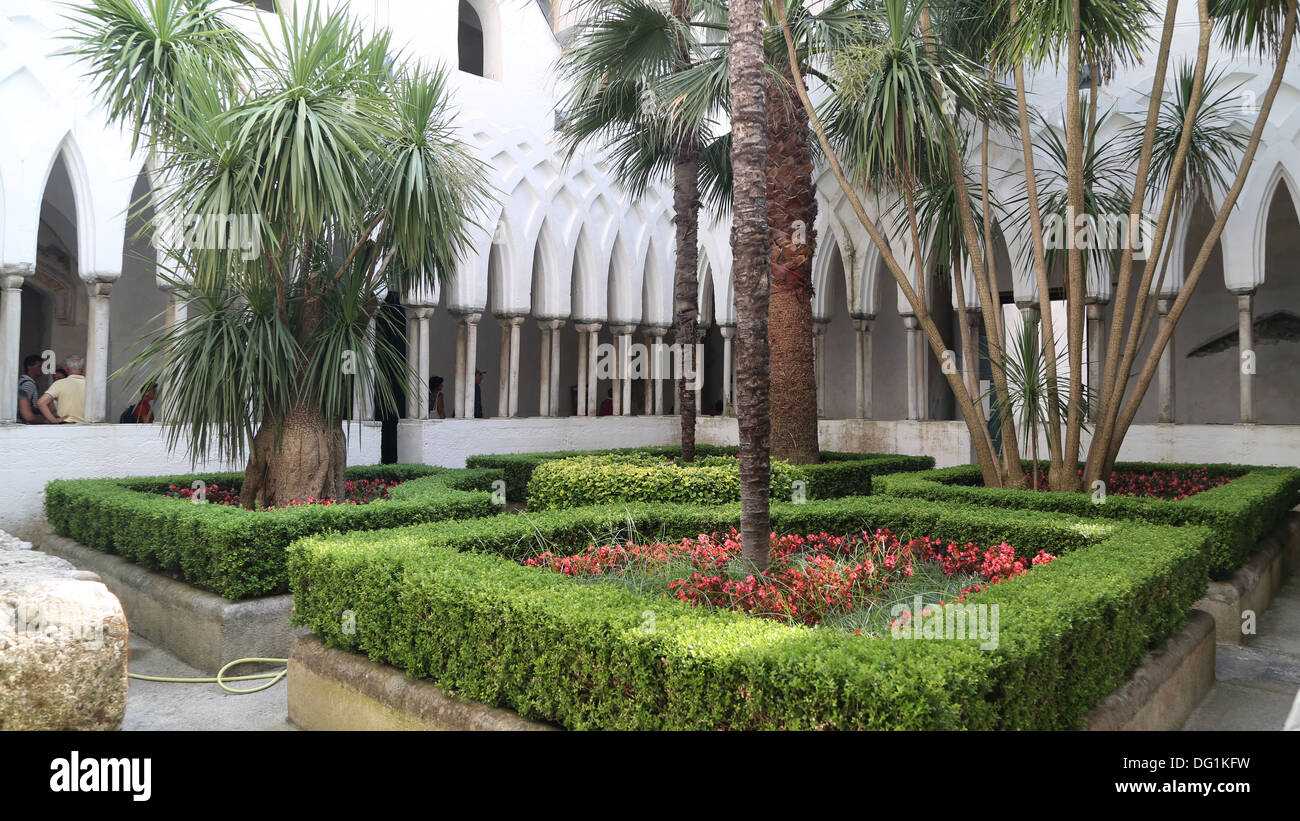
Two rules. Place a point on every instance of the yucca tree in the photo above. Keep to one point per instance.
(337, 160)
(1103, 34)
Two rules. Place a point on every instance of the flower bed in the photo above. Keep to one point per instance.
(1239, 511)
(1169, 485)
(356, 492)
(838, 474)
(239, 553)
(453, 602)
(814, 579)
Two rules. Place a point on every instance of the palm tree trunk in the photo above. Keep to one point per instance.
(751, 246)
(686, 207)
(792, 212)
(686, 286)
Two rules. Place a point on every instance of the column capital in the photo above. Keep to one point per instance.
(862, 324)
(910, 322)
(16, 269)
(511, 320)
(1242, 292)
(12, 282)
(468, 319)
(658, 331)
(1163, 305)
(727, 331)
(622, 330)
(585, 327)
(99, 287)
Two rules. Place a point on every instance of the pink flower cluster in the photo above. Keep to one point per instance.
(810, 577)
(360, 492)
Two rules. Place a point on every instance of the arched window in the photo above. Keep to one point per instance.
(470, 40)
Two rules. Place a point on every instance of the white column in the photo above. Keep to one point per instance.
(1096, 356)
(697, 358)
(413, 345)
(582, 368)
(1165, 371)
(422, 395)
(470, 322)
(656, 369)
(544, 389)
(557, 324)
(503, 370)
(11, 305)
(728, 372)
(819, 364)
(1247, 364)
(516, 329)
(862, 329)
(100, 293)
(458, 390)
(623, 385)
(913, 368)
(593, 383)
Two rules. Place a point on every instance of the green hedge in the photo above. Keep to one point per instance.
(839, 474)
(1238, 513)
(450, 601)
(238, 553)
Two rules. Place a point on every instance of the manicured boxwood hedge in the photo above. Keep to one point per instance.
(450, 601)
(238, 553)
(839, 474)
(1238, 513)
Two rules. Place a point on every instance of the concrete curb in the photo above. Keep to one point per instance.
(337, 690)
(200, 628)
(1253, 586)
(1169, 684)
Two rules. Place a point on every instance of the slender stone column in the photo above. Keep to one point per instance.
(623, 387)
(544, 389)
(470, 322)
(862, 327)
(1096, 356)
(656, 368)
(458, 390)
(11, 307)
(176, 315)
(697, 357)
(819, 363)
(1165, 371)
(583, 339)
(728, 372)
(588, 382)
(503, 370)
(913, 368)
(516, 331)
(1247, 366)
(413, 345)
(648, 382)
(422, 395)
(555, 367)
(100, 292)
(363, 386)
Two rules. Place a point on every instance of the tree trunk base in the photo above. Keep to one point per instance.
(306, 462)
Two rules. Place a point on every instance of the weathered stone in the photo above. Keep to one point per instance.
(63, 645)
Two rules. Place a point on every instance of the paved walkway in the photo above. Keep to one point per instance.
(157, 706)
(1256, 683)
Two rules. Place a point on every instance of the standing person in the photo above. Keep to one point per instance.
(435, 397)
(70, 393)
(478, 393)
(28, 394)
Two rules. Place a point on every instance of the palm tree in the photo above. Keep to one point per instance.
(341, 162)
(623, 53)
(750, 251)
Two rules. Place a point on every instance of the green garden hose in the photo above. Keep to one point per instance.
(221, 677)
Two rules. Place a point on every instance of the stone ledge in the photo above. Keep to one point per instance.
(200, 628)
(63, 645)
(337, 690)
(1164, 690)
(1253, 586)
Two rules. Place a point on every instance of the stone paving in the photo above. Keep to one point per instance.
(1257, 683)
(165, 706)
